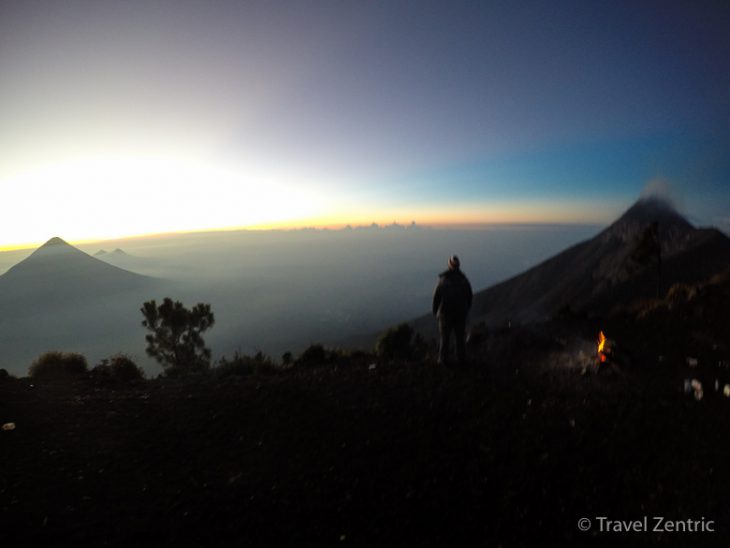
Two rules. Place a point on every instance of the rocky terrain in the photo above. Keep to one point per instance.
(512, 451)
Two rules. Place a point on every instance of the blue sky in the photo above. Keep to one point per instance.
(328, 112)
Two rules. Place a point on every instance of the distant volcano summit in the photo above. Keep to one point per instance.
(54, 242)
(117, 253)
(61, 269)
(673, 228)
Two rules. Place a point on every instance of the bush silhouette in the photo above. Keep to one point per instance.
(242, 365)
(118, 368)
(314, 354)
(400, 342)
(58, 365)
(317, 354)
(176, 340)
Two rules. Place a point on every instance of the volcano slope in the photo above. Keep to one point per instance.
(60, 298)
(608, 271)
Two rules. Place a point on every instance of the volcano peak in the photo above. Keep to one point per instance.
(653, 208)
(55, 241)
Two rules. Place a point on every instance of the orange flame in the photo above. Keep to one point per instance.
(601, 346)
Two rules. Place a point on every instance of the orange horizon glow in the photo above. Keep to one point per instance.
(443, 221)
(144, 195)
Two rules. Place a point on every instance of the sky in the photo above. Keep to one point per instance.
(129, 118)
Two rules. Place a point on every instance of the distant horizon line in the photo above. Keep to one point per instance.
(339, 227)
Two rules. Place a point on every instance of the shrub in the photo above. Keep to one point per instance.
(118, 368)
(242, 365)
(400, 342)
(317, 354)
(175, 338)
(58, 365)
(314, 354)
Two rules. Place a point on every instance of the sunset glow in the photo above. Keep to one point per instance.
(322, 115)
(113, 197)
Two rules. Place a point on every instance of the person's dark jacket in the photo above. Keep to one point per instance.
(452, 296)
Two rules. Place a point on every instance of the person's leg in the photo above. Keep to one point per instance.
(445, 335)
(460, 332)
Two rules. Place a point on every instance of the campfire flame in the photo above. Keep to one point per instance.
(601, 347)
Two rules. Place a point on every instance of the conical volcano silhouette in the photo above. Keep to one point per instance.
(65, 271)
(60, 298)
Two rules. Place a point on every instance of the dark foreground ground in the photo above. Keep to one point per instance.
(404, 455)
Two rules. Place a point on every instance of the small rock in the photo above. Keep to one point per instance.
(8, 426)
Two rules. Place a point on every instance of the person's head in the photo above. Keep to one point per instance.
(454, 263)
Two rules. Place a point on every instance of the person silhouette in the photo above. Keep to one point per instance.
(451, 303)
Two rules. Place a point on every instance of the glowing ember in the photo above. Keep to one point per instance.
(601, 346)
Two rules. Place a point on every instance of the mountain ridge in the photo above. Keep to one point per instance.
(604, 271)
